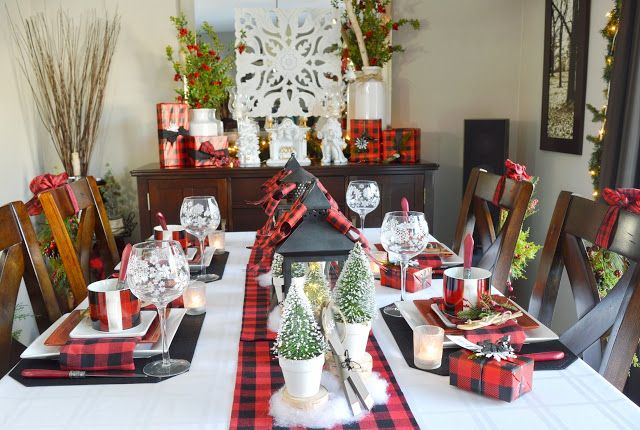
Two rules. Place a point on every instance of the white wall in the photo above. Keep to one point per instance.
(462, 64)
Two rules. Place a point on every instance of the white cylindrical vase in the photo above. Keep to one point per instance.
(203, 122)
(369, 94)
(302, 377)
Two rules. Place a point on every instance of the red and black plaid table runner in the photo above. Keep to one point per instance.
(258, 375)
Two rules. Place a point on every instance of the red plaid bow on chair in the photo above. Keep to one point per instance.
(98, 354)
(622, 198)
(517, 172)
(47, 182)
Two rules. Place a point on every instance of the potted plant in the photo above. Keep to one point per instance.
(355, 298)
(300, 346)
(298, 272)
(118, 204)
(203, 70)
(366, 29)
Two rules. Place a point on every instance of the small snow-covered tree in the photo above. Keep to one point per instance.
(298, 270)
(299, 337)
(316, 288)
(355, 290)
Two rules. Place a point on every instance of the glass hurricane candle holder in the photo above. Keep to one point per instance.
(427, 346)
(195, 298)
(216, 240)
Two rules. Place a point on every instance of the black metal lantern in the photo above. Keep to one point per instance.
(299, 176)
(314, 239)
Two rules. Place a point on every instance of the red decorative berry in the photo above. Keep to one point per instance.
(241, 48)
(381, 9)
(198, 105)
(373, 61)
(177, 77)
(217, 58)
(196, 75)
(395, 26)
(368, 34)
(183, 32)
(212, 53)
(205, 67)
(199, 54)
(617, 273)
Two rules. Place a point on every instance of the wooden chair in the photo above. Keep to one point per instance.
(20, 258)
(497, 250)
(93, 222)
(617, 315)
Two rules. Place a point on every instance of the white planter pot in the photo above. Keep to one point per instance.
(355, 337)
(203, 123)
(369, 96)
(302, 377)
(278, 284)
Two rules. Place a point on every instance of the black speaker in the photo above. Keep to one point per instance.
(486, 145)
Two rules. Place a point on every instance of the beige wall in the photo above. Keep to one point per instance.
(464, 63)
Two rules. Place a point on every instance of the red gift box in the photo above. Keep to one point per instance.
(207, 151)
(503, 380)
(173, 127)
(364, 144)
(417, 278)
(402, 144)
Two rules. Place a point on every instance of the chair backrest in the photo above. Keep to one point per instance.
(58, 205)
(20, 258)
(575, 220)
(475, 216)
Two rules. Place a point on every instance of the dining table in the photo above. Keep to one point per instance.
(574, 398)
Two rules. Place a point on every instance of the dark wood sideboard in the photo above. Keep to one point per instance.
(163, 190)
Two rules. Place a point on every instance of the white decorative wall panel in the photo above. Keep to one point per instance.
(288, 62)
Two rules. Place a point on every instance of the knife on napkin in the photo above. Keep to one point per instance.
(76, 374)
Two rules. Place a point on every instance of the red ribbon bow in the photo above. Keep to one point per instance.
(47, 182)
(515, 171)
(622, 198)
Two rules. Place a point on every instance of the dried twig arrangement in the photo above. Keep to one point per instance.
(66, 64)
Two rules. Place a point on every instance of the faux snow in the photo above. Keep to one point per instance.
(264, 280)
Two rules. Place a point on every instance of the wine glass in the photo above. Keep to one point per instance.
(199, 215)
(362, 198)
(405, 234)
(158, 272)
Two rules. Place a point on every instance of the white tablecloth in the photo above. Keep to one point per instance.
(575, 398)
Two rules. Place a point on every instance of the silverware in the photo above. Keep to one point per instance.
(76, 374)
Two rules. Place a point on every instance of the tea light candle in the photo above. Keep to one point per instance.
(375, 268)
(195, 298)
(216, 240)
(427, 346)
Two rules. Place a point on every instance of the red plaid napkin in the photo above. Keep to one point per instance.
(98, 354)
(493, 333)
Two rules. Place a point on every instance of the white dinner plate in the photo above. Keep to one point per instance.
(208, 255)
(143, 350)
(414, 318)
(85, 330)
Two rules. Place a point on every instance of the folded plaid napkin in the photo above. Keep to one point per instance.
(493, 333)
(98, 354)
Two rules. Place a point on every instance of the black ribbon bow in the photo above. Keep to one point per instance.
(171, 135)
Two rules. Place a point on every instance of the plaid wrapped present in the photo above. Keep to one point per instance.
(98, 354)
(207, 151)
(401, 144)
(365, 140)
(426, 260)
(173, 127)
(504, 380)
(417, 278)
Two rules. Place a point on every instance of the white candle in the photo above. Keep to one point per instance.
(381, 256)
(427, 346)
(216, 241)
(195, 298)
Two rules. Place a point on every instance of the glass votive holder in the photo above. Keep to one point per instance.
(381, 256)
(195, 298)
(427, 346)
(216, 241)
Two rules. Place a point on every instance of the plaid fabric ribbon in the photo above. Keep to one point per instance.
(272, 182)
(621, 198)
(344, 226)
(517, 172)
(258, 376)
(98, 354)
(46, 182)
(257, 301)
(493, 333)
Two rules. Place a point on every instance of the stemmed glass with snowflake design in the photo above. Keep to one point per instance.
(199, 215)
(362, 198)
(158, 272)
(405, 234)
